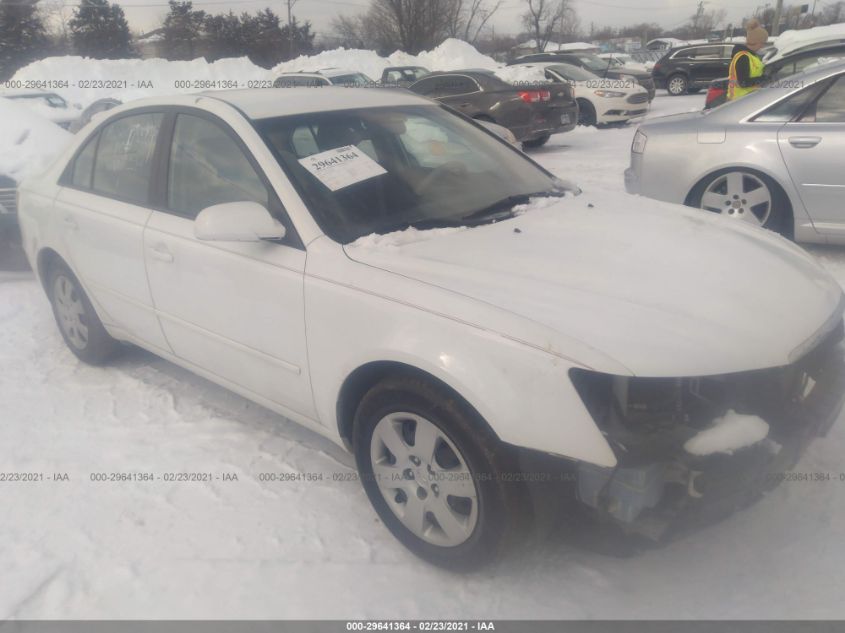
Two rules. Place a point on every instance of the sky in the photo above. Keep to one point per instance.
(145, 15)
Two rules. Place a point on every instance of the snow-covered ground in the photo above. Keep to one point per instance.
(305, 549)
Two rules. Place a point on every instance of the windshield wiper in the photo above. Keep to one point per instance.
(503, 209)
(420, 224)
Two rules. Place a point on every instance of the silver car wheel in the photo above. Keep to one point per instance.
(71, 311)
(424, 479)
(677, 85)
(739, 195)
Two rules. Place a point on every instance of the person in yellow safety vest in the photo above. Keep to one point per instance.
(746, 70)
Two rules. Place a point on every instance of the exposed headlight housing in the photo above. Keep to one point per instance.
(640, 140)
(610, 94)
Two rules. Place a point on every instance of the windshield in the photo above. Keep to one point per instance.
(379, 170)
(353, 79)
(593, 63)
(572, 73)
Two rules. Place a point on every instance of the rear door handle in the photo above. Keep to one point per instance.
(70, 223)
(804, 142)
(160, 252)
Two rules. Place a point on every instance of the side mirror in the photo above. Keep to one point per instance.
(237, 222)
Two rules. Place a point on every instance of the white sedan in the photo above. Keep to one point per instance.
(402, 281)
(600, 101)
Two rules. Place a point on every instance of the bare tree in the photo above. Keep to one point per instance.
(547, 18)
(467, 18)
(410, 25)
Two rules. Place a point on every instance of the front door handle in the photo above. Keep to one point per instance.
(70, 223)
(804, 142)
(160, 252)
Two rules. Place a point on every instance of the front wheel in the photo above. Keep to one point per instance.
(677, 85)
(586, 113)
(434, 474)
(745, 196)
(79, 324)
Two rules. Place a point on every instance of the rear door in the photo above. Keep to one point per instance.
(708, 63)
(459, 91)
(234, 309)
(104, 205)
(813, 148)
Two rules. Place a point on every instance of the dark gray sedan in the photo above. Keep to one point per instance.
(532, 113)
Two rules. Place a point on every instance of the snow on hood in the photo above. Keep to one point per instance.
(728, 434)
(793, 40)
(28, 141)
(662, 289)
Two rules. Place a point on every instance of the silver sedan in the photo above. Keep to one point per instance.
(775, 158)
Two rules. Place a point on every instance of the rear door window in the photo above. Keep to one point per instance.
(123, 165)
(830, 108)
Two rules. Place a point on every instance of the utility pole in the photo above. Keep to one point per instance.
(291, 36)
(776, 20)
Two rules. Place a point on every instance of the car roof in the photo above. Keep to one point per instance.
(337, 72)
(267, 103)
(797, 40)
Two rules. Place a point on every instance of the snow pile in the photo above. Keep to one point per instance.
(455, 54)
(127, 79)
(522, 75)
(397, 239)
(28, 142)
(729, 433)
(452, 54)
(368, 62)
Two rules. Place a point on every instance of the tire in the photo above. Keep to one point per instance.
(677, 85)
(726, 184)
(459, 532)
(586, 113)
(78, 323)
(537, 142)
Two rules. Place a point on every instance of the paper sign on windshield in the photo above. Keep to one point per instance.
(341, 167)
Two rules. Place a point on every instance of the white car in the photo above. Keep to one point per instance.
(600, 100)
(625, 60)
(48, 104)
(325, 77)
(404, 282)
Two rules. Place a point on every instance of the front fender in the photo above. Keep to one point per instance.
(525, 394)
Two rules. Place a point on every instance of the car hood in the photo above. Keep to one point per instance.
(619, 72)
(661, 289)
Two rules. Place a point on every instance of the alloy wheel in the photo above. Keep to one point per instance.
(739, 195)
(71, 311)
(424, 479)
(677, 85)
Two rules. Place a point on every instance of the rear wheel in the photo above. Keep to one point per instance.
(745, 196)
(677, 85)
(435, 474)
(537, 142)
(79, 324)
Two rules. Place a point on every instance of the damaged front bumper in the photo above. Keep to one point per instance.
(660, 481)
